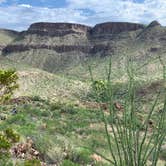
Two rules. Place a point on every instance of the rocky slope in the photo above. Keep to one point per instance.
(6, 37)
(55, 46)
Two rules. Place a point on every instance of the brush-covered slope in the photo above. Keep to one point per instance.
(48, 86)
(6, 37)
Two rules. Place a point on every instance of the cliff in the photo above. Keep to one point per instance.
(58, 29)
(58, 44)
(115, 28)
(68, 37)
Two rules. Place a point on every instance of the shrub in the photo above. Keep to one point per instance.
(8, 83)
(7, 138)
(32, 162)
(68, 163)
(100, 87)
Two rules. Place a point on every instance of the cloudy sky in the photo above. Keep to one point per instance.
(19, 14)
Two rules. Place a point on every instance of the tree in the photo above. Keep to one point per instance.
(8, 83)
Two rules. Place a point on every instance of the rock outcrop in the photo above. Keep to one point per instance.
(153, 24)
(59, 49)
(58, 29)
(115, 28)
(68, 37)
(153, 32)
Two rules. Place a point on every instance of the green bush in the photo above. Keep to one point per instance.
(33, 162)
(7, 138)
(100, 88)
(68, 163)
(81, 156)
(55, 106)
(8, 83)
(11, 135)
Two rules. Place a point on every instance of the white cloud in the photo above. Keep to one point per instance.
(20, 17)
(1, 1)
(84, 11)
(123, 10)
(25, 5)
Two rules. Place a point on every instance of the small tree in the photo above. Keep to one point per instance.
(8, 83)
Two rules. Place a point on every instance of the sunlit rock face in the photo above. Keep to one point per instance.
(53, 45)
(115, 28)
(58, 29)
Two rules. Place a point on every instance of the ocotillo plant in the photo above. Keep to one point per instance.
(130, 145)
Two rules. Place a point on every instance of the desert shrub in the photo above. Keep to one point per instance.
(100, 87)
(8, 83)
(55, 106)
(81, 156)
(37, 98)
(11, 135)
(32, 162)
(7, 138)
(68, 109)
(68, 163)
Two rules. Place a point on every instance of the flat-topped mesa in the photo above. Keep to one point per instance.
(58, 29)
(115, 28)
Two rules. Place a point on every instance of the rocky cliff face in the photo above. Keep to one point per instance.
(67, 37)
(59, 41)
(115, 28)
(58, 29)
(153, 32)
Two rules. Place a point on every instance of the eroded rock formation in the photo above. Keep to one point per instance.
(69, 37)
(115, 28)
(62, 43)
(58, 29)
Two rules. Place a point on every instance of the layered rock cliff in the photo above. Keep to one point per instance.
(57, 42)
(67, 37)
(113, 28)
(58, 29)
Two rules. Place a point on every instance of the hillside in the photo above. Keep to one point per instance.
(62, 111)
(6, 37)
(58, 46)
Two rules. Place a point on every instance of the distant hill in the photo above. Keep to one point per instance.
(58, 46)
(6, 37)
(68, 50)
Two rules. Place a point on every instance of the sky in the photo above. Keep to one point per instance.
(19, 14)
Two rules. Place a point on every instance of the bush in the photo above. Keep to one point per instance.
(68, 163)
(33, 162)
(100, 88)
(7, 138)
(8, 83)
(81, 156)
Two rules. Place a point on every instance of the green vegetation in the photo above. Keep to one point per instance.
(32, 162)
(8, 83)
(115, 129)
(134, 144)
(7, 138)
(86, 119)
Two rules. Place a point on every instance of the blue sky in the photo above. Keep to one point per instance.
(19, 14)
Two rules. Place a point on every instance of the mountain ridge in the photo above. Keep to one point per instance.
(55, 46)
